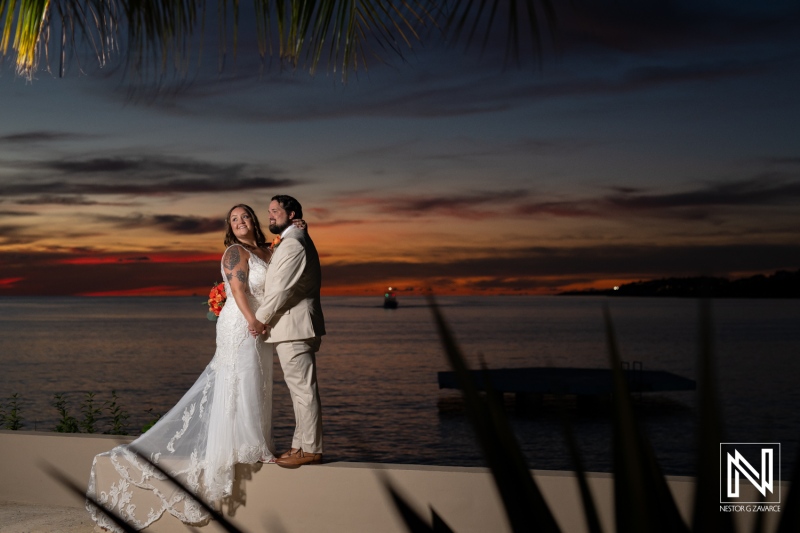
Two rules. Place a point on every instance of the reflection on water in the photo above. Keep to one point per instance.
(377, 368)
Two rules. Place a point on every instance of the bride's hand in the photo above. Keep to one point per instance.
(300, 223)
(256, 328)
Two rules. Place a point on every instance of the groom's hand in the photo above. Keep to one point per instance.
(256, 328)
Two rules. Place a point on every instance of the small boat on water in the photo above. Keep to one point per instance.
(389, 299)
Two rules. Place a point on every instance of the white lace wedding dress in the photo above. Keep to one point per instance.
(225, 418)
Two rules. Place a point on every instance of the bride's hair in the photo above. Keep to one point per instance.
(230, 238)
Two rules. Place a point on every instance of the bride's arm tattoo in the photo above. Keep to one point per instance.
(231, 261)
(233, 258)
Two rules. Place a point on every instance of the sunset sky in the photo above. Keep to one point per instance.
(649, 144)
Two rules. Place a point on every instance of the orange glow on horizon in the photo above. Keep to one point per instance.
(598, 285)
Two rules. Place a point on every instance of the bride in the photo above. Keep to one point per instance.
(225, 418)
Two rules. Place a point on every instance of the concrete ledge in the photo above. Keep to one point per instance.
(24, 453)
(336, 497)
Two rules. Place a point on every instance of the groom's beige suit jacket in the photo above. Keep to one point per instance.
(292, 305)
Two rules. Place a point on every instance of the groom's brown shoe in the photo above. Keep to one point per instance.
(290, 453)
(300, 458)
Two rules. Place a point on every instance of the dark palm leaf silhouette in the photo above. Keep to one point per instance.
(81, 493)
(589, 508)
(159, 37)
(524, 503)
(643, 500)
(709, 434)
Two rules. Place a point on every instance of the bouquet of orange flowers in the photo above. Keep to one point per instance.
(216, 300)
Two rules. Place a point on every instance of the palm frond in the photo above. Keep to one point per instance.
(790, 515)
(59, 476)
(34, 22)
(706, 516)
(413, 521)
(642, 499)
(345, 35)
(589, 507)
(515, 21)
(525, 506)
(439, 525)
(25, 18)
(160, 33)
(338, 33)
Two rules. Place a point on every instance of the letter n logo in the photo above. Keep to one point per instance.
(754, 463)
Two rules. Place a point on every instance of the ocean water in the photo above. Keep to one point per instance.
(377, 369)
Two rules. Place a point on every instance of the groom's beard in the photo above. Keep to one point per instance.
(275, 229)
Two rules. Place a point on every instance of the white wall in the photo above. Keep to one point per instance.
(329, 498)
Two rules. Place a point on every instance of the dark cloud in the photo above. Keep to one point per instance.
(50, 199)
(189, 225)
(320, 217)
(651, 76)
(623, 202)
(105, 165)
(153, 166)
(470, 149)
(569, 209)
(341, 222)
(762, 190)
(137, 188)
(10, 230)
(31, 137)
(472, 205)
(547, 146)
(17, 214)
(13, 234)
(61, 179)
(626, 190)
(692, 204)
(29, 234)
(787, 161)
(170, 223)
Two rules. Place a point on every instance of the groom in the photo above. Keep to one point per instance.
(293, 324)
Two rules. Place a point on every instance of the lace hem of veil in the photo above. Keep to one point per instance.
(222, 420)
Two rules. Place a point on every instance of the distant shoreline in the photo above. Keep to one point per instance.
(781, 284)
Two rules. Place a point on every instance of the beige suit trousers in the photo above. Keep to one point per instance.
(298, 361)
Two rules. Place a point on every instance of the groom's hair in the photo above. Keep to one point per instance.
(289, 204)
